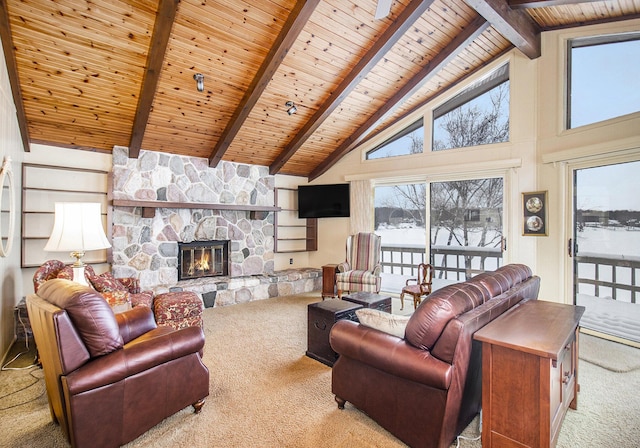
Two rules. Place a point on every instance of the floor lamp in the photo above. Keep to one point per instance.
(77, 228)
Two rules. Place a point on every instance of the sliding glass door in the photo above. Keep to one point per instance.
(465, 231)
(400, 220)
(466, 227)
(606, 248)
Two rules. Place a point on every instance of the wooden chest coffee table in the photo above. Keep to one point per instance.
(321, 317)
(370, 300)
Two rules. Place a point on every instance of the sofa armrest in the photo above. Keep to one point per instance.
(343, 267)
(136, 357)
(389, 354)
(135, 322)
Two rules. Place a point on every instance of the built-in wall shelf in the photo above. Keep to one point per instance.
(42, 187)
(293, 234)
(149, 207)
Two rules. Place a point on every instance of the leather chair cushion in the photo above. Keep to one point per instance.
(90, 313)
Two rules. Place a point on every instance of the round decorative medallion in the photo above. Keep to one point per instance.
(534, 204)
(534, 223)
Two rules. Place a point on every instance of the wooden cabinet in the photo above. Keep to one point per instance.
(529, 373)
(329, 280)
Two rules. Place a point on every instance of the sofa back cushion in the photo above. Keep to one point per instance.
(88, 310)
(431, 317)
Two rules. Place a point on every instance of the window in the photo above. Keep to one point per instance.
(477, 116)
(456, 226)
(408, 141)
(604, 78)
(466, 227)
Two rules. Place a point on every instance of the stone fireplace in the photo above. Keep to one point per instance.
(146, 239)
(203, 259)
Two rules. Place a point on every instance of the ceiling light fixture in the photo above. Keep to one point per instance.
(199, 77)
(292, 109)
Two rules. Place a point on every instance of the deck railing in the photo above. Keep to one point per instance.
(598, 275)
(449, 262)
(608, 276)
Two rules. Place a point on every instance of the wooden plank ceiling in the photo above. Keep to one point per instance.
(92, 74)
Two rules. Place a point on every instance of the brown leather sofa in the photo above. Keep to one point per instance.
(426, 388)
(109, 377)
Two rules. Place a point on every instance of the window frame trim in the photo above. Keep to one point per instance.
(589, 41)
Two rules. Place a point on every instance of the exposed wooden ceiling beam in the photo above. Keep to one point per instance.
(381, 47)
(12, 69)
(161, 32)
(516, 26)
(528, 4)
(287, 37)
(448, 53)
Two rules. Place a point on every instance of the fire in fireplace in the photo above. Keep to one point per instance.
(203, 259)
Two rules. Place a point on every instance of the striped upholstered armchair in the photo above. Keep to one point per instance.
(361, 270)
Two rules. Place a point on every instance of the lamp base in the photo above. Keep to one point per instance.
(78, 275)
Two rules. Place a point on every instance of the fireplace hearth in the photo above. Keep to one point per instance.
(203, 259)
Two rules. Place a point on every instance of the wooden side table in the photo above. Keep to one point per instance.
(329, 280)
(529, 373)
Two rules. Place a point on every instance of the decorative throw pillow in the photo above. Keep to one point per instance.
(383, 321)
(106, 282)
(116, 297)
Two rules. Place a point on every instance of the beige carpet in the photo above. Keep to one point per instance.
(266, 393)
(609, 355)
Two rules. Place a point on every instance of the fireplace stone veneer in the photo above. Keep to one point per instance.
(147, 247)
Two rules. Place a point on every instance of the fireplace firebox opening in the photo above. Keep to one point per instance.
(203, 259)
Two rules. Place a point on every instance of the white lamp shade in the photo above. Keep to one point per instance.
(77, 227)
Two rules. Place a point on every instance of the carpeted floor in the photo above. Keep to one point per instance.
(264, 392)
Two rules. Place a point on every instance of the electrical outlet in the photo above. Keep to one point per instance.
(290, 260)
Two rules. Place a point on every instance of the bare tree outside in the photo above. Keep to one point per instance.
(481, 121)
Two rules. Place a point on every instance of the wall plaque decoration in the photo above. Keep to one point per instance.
(534, 208)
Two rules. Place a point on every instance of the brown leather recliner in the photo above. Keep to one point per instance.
(109, 377)
(426, 388)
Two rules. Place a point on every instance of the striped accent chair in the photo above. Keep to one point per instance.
(361, 270)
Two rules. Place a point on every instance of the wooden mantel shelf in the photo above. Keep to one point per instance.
(149, 207)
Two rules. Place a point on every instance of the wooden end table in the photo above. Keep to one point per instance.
(329, 280)
(529, 373)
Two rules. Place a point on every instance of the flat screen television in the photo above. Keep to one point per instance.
(323, 201)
